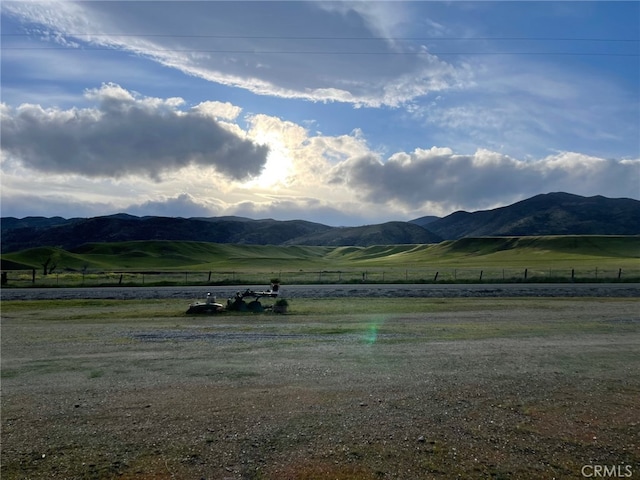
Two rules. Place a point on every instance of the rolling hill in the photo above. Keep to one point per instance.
(390, 233)
(126, 228)
(556, 251)
(241, 231)
(546, 214)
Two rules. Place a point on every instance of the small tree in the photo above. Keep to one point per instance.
(45, 266)
(50, 263)
(48, 266)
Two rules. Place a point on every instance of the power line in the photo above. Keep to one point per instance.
(326, 38)
(325, 52)
(283, 37)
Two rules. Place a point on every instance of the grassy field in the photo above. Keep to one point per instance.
(585, 258)
(338, 388)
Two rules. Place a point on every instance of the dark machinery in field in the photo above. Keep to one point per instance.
(208, 306)
(237, 303)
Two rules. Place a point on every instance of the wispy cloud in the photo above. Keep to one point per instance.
(245, 46)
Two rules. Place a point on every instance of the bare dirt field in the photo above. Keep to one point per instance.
(338, 388)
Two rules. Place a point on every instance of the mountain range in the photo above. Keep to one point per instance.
(545, 214)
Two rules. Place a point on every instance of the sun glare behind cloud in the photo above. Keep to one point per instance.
(326, 111)
(279, 165)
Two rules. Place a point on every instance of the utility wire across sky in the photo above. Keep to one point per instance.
(622, 42)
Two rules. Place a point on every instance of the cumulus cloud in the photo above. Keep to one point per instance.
(483, 179)
(127, 134)
(331, 179)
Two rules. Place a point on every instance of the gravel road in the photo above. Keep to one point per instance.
(620, 290)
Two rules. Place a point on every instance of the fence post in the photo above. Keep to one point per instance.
(525, 273)
(480, 275)
(435, 279)
(120, 281)
(619, 273)
(209, 279)
(573, 274)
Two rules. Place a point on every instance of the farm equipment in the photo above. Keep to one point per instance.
(237, 303)
(208, 306)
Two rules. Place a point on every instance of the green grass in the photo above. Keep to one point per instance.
(315, 316)
(361, 321)
(511, 251)
(499, 258)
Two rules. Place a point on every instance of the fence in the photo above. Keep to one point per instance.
(29, 278)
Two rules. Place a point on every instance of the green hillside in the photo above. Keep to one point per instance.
(521, 252)
(559, 251)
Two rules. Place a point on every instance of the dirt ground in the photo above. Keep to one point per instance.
(528, 389)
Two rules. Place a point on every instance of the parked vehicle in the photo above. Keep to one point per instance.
(208, 306)
(238, 303)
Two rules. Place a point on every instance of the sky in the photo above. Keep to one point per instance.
(342, 113)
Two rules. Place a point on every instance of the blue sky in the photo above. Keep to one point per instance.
(344, 113)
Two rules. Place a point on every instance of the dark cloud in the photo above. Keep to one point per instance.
(125, 135)
(483, 179)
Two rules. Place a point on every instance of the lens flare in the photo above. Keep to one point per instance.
(371, 334)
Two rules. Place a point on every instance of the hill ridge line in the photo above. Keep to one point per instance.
(545, 214)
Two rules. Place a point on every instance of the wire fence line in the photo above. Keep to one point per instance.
(27, 278)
